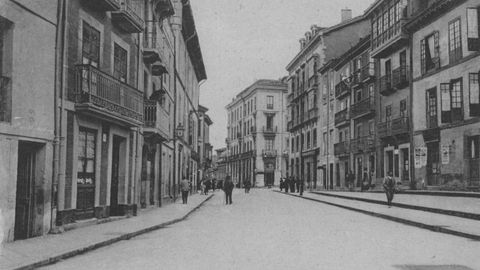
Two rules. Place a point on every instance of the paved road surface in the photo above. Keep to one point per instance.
(267, 230)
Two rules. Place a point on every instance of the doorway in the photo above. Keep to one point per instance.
(433, 159)
(115, 175)
(86, 173)
(25, 199)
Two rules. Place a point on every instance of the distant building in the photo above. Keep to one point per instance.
(256, 138)
(219, 170)
(204, 147)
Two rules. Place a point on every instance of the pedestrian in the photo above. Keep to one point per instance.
(365, 180)
(228, 189)
(204, 185)
(247, 186)
(389, 187)
(207, 186)
(214, 184)
(287, 183)
(301, 184)
(185, 186)
(292, 184)
(351, 180)
(281, 184)
(297, 184)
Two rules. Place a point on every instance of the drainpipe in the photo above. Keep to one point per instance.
(175, 117)
(60, 40)
(410, 118)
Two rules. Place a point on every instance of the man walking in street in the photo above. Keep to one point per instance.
(228, 189)
(287, 183)
(300, 186)
(389, 187)
(247, 186)
(185, 187)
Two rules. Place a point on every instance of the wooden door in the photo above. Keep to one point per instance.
(86, 173)
(25, 192)
(115, 175)
(433, 159)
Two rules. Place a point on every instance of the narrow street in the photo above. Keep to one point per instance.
(268, 230)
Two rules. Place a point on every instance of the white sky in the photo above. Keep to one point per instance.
(246, 40)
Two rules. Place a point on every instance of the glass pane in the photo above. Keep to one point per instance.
(90, 168)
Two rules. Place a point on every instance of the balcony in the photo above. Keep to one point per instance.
(103, 5)
(5, 99)
(386, 86)
(363, 144)
(367, 72)
(401, 77)
(128, 18)
(341, 149)
(289, 125)
(195, 156)
(163, 8)
(150, 46)
(390, 40)
(313, 82)
(272, 153)
(270, 130)
(341, 89)
(101, 95)
(156, 120)
(396, 127)
(363, 108)
(342, 117)
(313, 114)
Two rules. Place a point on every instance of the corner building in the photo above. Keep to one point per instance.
(257, 134)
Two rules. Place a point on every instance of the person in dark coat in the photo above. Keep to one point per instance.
(389, 187)
(281, 183)
(185, 187)
(301, 185)
(286, 184)
(292, 184)
(228, 189)
(247, 186)
(351, 180)
(365, 180)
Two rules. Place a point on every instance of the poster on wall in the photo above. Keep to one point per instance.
(423, 157)
(418, 163)
(445, 154)
(420, 157)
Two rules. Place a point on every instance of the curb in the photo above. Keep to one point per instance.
(407, 206)
(105, 243)
(433, 228)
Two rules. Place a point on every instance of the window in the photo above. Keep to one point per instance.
(86, 157)
(452, 101)
(473, 31)
(371, 127)
(90, 45)
(388, 113)
(325, 143)
(293, 145)
(403, 108)
(314, 135)
(429, 53)
(432, 121)
(454, 41)
(269, 122)
(358, 95)
(5, 90)
(298, 143)
(474, 94)
(120, 63)
(270, 102)
(255, 103)
(308, 140)
(474, 147)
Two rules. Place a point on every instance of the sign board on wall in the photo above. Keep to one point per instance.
(445, 154)
(420, 157)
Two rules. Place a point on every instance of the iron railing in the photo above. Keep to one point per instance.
(102, 90)
(363, 107)
(363, 144)
(341, 148)
(394, 127)
(342, 116)
(269, 152)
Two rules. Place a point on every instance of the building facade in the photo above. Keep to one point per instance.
(257, 134)
(446, 127)
(205, 148)
(27, 131)
(311, 99)
(355, 97)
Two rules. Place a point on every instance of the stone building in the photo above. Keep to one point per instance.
(257, 134)
(311, 99)
(205, 149)
(446, 128)
(27, 131)
(355, 97)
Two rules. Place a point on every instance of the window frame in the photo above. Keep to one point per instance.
(474, 107)
(455, 51)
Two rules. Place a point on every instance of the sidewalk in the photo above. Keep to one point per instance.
(39, 251)
(457, 206)
(459, 226)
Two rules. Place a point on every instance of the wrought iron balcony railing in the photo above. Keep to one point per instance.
(269, 153)
(103, 5)
(394, 127)
(341, 89)
(128, 17)
(156, 117)
(270, 130)
(342, 117)
(363, 144)
(341, 148)
(104, 91)
(400, 77)
(363, 107)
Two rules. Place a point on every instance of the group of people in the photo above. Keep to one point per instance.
(292, 184)
(208, 184)
(185, 186)
(365, 183)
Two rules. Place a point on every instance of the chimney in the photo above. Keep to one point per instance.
(346, 14)
(302, 43)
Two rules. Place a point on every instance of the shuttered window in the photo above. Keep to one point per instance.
(473, 29)
(474, 89)
(120, 63)
(429, 53)
(90, 45)
(454, 41)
